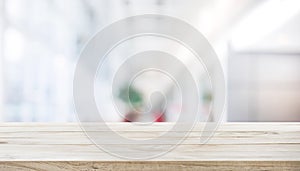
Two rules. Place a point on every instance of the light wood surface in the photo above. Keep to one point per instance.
(234, 146)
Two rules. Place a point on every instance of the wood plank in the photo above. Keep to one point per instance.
(150, 166)
(64, 146)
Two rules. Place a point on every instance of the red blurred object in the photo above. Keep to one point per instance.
(160, 117)
(134, 116)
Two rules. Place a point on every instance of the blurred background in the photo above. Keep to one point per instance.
(257, 42)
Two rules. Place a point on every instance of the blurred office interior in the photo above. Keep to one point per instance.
(257, 42)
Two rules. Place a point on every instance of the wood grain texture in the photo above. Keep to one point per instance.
(234, 146)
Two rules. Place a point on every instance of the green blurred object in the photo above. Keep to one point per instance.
(131, 95)
(207, 96)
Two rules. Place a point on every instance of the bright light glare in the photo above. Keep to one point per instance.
(262, 21)
(13, 45)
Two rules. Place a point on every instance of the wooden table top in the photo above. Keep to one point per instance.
(64, 146)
